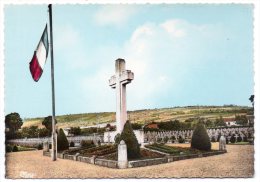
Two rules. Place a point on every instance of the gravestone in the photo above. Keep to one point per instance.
(108, 138)
(119, 82)
(122, 155)
(46, 146)
(222, 143)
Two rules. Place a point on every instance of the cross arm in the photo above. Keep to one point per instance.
(112, 81)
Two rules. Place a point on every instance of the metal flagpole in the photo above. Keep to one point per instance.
(54, 137)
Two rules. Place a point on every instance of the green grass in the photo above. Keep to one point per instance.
(174, 150)
(240, 143)
(20, 148)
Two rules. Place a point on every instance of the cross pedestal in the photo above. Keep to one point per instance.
(119, 82)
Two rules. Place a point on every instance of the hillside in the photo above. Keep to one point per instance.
(144, 116)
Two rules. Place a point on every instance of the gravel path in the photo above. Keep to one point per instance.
(238, 162)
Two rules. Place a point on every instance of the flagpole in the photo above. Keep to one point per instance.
(54, 137)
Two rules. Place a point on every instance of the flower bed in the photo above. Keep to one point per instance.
(173, 150)
(97, 151)
(145, 154)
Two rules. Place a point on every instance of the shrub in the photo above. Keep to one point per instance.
(181, 140)
(173, 138)
(239, 139)
(72, 144)
(232, 139)
(218, 137)
(15, 149)
(165, 140)
(62, 142)
(87, 143)
(227, 140)
(213, 139)
(159, 140)
(117, 138)
(245, 139)
(8, 148)
(75, 130)
(200, 139)
(39, 147)
(133, 148)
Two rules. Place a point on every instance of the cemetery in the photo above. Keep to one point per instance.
(131, 148)
(123, 147)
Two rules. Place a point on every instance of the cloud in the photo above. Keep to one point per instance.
(173, 28)
(114, 14)
(162, 55)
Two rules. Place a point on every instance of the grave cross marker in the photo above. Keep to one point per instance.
(119, 82)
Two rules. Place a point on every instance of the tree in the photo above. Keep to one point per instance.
(43, 132)
(241, 120)
(29, 132)
(170, 125)
(136, 126)
(62, 142)
(200, 139)
(13, 122)
(209, 123)
(220, 122)
(252, 98)
(75, 130)
(47, 122)
(133, 148)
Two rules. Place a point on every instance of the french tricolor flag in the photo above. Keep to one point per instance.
(39, 57)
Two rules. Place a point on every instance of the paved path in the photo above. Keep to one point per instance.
(238, 162)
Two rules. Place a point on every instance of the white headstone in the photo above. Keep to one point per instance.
(46, 146)
(122, 155)
(222, 143)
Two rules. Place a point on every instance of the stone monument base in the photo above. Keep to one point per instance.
(109, 136)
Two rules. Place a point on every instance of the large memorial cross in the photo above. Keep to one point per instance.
(119, 82)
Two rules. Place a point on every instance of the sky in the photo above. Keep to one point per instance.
(181, 55)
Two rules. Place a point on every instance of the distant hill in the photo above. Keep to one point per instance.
(145, 116)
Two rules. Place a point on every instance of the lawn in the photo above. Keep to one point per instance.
(239, 143)
(174, 150)
(20, 148)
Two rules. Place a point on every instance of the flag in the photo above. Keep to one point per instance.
(39, 57)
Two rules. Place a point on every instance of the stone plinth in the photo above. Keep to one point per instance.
(122, 155)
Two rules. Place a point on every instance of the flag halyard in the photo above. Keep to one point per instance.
(39, 57)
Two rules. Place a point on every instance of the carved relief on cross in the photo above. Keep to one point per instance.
(119, 82)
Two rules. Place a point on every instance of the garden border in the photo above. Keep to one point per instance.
(136, 163)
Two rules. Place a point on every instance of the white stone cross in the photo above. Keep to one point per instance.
(119, 82)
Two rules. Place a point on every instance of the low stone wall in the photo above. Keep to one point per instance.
(90, 160)
(147, 162)
(60, 155)
(136, 163)
(70, 157)
(46, 153)
(106, 163)
(171, 158)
